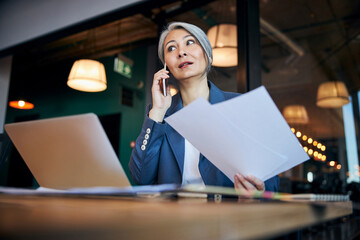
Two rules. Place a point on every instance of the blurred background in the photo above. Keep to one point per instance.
(305, 52)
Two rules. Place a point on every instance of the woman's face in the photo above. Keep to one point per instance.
(184, 55)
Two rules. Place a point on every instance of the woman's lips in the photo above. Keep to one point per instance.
(184, 64)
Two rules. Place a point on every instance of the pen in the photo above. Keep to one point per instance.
(163, 82)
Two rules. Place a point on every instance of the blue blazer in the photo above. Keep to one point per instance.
(158, 156)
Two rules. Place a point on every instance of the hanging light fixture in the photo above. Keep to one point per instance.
(173, 90)
(223, 40)
(332, 95)
(21, 104)
(296, 114)
(88, 76)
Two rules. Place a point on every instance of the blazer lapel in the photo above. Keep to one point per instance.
(216, 95)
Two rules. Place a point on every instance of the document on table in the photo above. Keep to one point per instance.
(245, 134)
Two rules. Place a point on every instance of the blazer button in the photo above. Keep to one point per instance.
(144, 142)
(146, 136)
(143, 147)
(148, 130)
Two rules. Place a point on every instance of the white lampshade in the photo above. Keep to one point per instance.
(223, 40)
(332, 95)
(296, 114)
(87, 75)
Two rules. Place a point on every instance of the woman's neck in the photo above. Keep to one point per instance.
(193, 89)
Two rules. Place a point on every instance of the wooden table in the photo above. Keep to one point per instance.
(45, 217)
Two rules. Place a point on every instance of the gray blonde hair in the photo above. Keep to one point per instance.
(194, 31)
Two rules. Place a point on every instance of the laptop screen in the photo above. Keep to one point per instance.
(68, 152)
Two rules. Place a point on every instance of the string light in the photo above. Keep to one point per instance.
(316, 155)
(310, 152)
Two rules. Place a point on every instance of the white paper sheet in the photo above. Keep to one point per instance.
(246, 134)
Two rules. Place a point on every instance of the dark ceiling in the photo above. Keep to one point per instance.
(326, 31)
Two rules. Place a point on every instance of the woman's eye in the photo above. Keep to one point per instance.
(189, 42)
(171, 48)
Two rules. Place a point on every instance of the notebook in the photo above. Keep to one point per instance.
(68, 152)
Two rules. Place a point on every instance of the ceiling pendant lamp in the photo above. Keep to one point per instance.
(332, 95)
(88, 76)
(223, 40)
(295, 114)
(173, 90)
(21, 104)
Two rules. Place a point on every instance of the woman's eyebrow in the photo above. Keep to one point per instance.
(169, 42)
(175, 41)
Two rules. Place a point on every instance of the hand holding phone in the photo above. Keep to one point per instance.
(160, 98)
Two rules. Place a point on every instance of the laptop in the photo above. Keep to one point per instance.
(68, 152)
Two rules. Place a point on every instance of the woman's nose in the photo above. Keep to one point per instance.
(182, 53)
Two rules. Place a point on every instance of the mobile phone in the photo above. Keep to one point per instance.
(164, 86)
(163, 83)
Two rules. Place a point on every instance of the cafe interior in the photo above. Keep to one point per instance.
(306, 53)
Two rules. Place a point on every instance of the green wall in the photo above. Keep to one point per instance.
(53, 98)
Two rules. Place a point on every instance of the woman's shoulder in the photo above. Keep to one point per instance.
(218, 95)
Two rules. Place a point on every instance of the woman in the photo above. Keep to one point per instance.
(162, 155)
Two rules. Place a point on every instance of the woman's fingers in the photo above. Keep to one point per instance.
(260, 185)
(159, 76)
(237, 183)
(242, 183)
(157, 87)
(250, 183)
(157, 90)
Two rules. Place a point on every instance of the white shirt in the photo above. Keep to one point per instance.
(191, 173)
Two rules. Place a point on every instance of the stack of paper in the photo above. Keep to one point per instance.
(246, 134)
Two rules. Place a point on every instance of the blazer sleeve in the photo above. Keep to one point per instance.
(144, 160)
